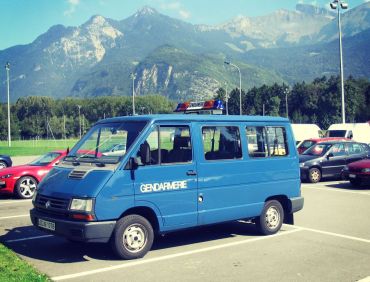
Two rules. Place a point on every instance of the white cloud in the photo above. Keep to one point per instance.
(177, 7)
(171, 6)
(72, 7)
(184, 14)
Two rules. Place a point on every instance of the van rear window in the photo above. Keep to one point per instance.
(266, 141)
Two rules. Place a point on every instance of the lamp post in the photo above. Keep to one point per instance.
(133, 76)
(227, 100)
(7, 67)
(79, 118)
(286, 91)
(338, 4)
(240, 85)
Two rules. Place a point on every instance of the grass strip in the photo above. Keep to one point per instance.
(12, 268)
(34, 147)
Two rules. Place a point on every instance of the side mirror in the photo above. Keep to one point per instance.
(330, 155)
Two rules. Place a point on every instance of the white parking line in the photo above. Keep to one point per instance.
(15, 202)
(14, 216)
(28, 238)
(329, 189)
(332, 234)
(167, 257)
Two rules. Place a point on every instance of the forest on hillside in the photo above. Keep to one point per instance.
(316, 102)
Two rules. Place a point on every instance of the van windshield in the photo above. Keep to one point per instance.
(336, 133)
(106, 143)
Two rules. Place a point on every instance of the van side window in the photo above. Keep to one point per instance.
(175, 144)
(165, 145)
(266, 141)
(257, 141)
(148, 151)
(277, 141)
(221, 142)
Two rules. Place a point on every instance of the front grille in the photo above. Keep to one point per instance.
(51, 204)
(78, 174)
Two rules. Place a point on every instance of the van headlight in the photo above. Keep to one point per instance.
(301, 164)
(85, 205)
(366, 170)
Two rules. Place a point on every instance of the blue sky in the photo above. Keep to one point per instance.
(21, 21)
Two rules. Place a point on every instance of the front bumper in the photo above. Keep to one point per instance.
(99, 232)
(355, 175)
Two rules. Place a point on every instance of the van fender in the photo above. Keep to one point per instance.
(154, 208)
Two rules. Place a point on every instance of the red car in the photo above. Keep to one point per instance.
(357, 172)
(305, 144)
(22, 180)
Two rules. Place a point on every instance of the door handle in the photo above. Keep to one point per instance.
(191, 172)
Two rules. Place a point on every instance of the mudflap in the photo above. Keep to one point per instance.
(289, 218)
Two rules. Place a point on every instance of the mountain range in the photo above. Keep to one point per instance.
(183, 61)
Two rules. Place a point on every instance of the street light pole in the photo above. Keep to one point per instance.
(240, 85)
(79, 118)
(286, 102)
(133, 93)
(227, 100)
(7, 67)
(338, 4)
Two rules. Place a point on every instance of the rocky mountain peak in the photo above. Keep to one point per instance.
(145, 11)
(313, 10)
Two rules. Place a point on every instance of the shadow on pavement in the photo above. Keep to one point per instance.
(59, 250)
(348, 186)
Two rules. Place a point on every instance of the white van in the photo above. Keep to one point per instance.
(305, 131)
(359, 132)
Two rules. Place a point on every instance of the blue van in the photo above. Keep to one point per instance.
(130, 178)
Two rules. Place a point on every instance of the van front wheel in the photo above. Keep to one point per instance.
(271, 218)
(132, 237)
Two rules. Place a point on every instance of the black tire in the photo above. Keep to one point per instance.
(271, 218)
(3, 164)
(132, 237)
(314, 175)
(25, 187)
(355, 182)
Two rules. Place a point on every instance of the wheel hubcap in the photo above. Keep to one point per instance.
(315, 175)
(28, 187)
(272, 217)
(134, 238)
(2, 165)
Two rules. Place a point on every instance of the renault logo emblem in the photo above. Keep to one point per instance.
(47, 204)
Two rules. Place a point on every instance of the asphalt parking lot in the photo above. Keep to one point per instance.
(330, 241)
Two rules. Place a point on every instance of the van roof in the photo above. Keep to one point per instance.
(190, 117)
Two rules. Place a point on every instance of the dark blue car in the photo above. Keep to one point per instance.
(5, 161)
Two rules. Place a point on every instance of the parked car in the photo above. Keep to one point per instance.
(23, 180)
(327, 159)
(305, 144)
(357, 172)
(5, 161)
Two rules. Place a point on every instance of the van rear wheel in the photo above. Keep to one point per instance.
(271, 218)
(132, 237)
